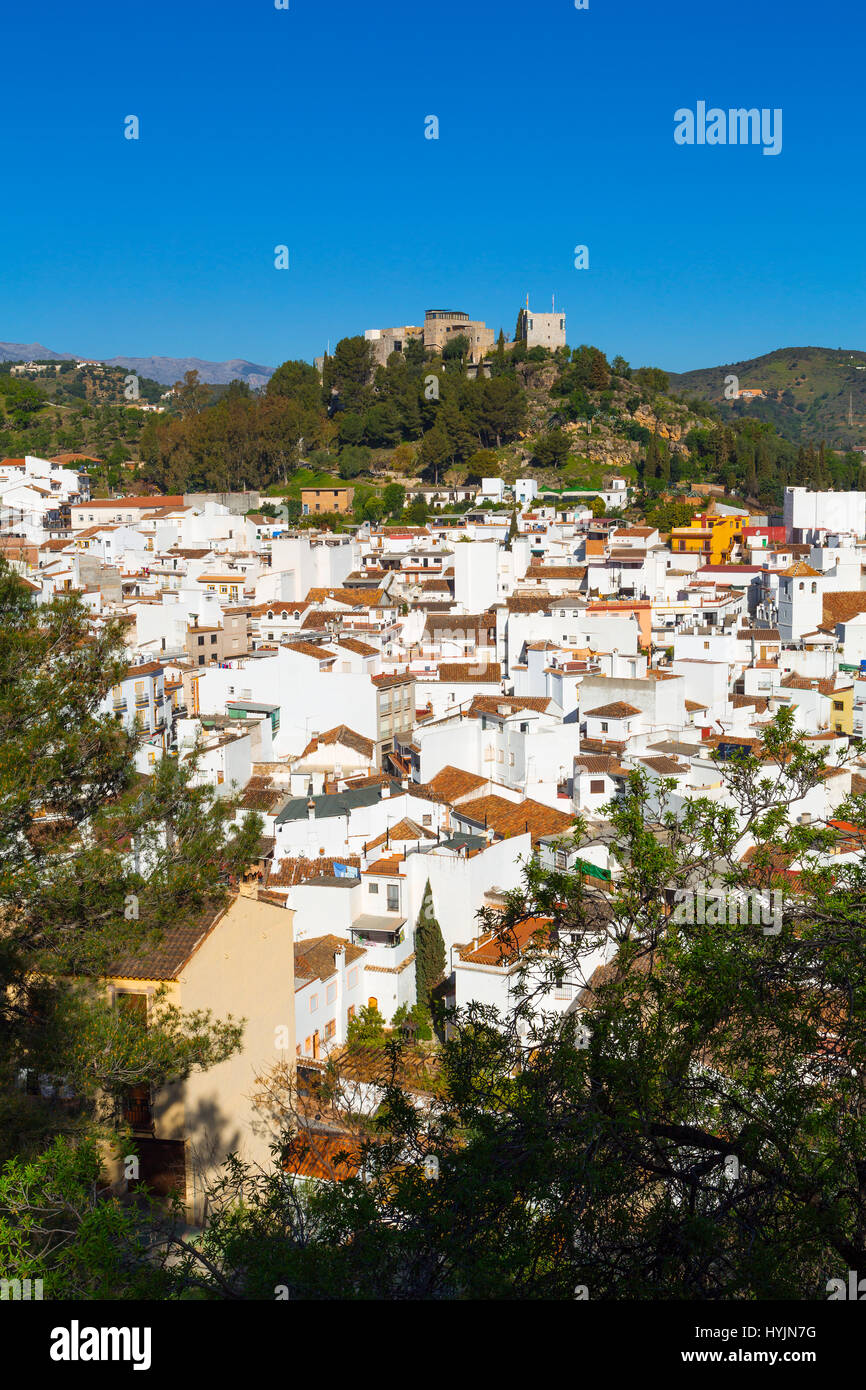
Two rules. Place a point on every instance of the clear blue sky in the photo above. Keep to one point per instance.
(306, 127)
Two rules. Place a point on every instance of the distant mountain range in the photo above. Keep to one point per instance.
(810, 393)
(166, 370)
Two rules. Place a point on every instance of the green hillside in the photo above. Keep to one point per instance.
(812, 393)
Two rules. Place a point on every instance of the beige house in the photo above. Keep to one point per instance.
(326, 499)
(238, 962)
(209, 645)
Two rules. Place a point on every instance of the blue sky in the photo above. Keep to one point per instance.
(305, 127)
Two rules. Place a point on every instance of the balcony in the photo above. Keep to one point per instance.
(142, 701)
(136, 1110)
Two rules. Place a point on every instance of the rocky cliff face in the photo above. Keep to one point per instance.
(665, 429)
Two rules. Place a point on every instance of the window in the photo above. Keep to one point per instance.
(374, 887)
(837, 704)
(393, 897)
(426, 820)
(331, 993)
(350, 1013)
(314, 1003)
(372, 1003)
(308, 1046)
(213, 639)
(596, 786)
(201, 641)
(330, 1029)
(352, 980)
(603, 727)
(563, 991)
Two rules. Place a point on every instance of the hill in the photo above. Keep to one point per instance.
(168, 370)
(165, 370)
(811, 393)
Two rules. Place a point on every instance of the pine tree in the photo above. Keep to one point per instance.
(72, 898)
(429, 951)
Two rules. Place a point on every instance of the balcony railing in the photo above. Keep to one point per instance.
(137, 1113)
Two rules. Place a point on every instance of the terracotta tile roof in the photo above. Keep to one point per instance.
(458, 672)
(260, 794)
(310, 649)
(666, 767)
(594, 762)
(617, 710)
(388, 865)
(315, 957)
(460, 622)
(405, 829)
(800, 570)
(301, 870)
(842, 606)
(555, 572)
(350, 598)
(157, 501)
(318, 619)
(502, 947)
(826, 685)
(345, 737)
(424, 791)
(494, 704)
(147, 668)
(165, 959)
(507, 818)
(759, 634)
(528, 603)
(352, 644)
(602, 745)
(693, 706)
(450, 783)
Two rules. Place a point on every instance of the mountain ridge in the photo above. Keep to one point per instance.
(165, 370)
(810, 392)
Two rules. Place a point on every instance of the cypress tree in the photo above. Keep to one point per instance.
(429, 951)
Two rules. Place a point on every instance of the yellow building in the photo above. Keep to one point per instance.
(711, 537)
(326, 499)
(842, 713)
(237, 961)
